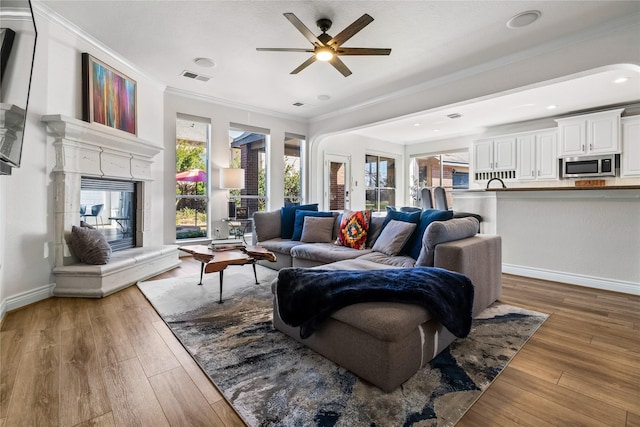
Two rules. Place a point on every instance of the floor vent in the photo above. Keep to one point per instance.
(195, 76)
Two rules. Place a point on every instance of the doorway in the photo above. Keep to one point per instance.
(337, 179)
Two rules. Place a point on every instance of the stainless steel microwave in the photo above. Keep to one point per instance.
(589, 166)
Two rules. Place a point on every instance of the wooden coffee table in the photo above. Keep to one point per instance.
(213, 260)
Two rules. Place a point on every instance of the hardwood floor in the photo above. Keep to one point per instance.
(113, 362)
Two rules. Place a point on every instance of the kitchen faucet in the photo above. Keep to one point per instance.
(496, 179)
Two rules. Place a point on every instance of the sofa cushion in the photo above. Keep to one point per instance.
(413, 217)
(386, 261)
(404, 209)
(353, 229)
(317, 229)
(267, 225)
(386, 321)
(298, 223)
(282, 246)
(414, 245)
(393, 237)
(288, 216)
(326, 252)
(445, 231)
(90, 245)
(375, 227)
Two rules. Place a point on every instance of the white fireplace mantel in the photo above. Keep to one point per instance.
(93, 150)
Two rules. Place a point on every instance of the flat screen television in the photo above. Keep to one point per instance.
(17, 51)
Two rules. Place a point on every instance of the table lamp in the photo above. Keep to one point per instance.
(232, 179)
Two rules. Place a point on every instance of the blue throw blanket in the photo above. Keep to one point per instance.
(306, 297)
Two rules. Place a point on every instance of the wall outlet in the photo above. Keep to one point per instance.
(217, 232)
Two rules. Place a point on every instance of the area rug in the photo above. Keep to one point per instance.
(272, 380)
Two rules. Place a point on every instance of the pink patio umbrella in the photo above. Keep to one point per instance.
(193, 175)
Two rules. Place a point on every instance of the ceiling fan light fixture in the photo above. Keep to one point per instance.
(324, 54)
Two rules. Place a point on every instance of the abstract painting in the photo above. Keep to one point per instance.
(108, 96)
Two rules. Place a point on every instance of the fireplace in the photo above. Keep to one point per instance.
(109, 205)
(103, 176)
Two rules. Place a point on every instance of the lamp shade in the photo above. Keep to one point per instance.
(232, 178)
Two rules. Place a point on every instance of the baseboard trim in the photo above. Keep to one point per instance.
(26, 298)
(573, 279)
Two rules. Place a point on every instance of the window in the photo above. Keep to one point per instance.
(293, 169)
(248, 147)
(192, 158)
(380, 182)
(447, 170)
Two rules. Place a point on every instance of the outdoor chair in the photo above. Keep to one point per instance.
(96, 211)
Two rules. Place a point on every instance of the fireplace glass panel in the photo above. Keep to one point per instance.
(109, 206)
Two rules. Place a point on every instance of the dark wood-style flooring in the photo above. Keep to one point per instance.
(113, 362)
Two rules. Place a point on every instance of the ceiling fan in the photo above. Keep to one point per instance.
(327, 48)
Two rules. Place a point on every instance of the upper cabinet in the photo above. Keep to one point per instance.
(630, 157)
(537, 155)
(528, 156)
(495, 158)
(596, 133)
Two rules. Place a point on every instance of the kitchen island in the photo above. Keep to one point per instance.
(588, 236)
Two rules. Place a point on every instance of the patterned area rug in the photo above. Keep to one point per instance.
(272, 380)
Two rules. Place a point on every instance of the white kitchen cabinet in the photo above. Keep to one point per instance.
(483, 156)
(495, 158)
(537, 156)
(595, 133)
(630, 157)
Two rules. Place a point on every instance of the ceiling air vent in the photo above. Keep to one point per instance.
(195, 76)
(454, 115)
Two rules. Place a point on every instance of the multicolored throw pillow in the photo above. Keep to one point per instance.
(354, 228)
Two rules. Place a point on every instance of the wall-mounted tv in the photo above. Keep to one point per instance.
(16, 19)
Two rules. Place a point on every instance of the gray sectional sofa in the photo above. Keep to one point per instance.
(385, 343)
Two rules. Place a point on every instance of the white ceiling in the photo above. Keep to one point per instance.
(429, 40)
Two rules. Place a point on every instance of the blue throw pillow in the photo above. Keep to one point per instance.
(414, 245)
(413, 217)
(298, 224)
(288, 216)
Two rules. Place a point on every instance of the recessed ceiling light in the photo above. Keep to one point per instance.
(416, 124)
(298, 104)
(205, 62)
(323, 97)
(436, 130)
(454, 115)
(551, 107)
(621, 80)
(523, 19)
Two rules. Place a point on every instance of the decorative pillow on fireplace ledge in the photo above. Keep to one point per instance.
(90, 245)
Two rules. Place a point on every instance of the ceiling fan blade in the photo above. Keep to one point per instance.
(363, 51)
(304, 65)
(340, 66)
(303, 29)
(351, 30)
(282, 49)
